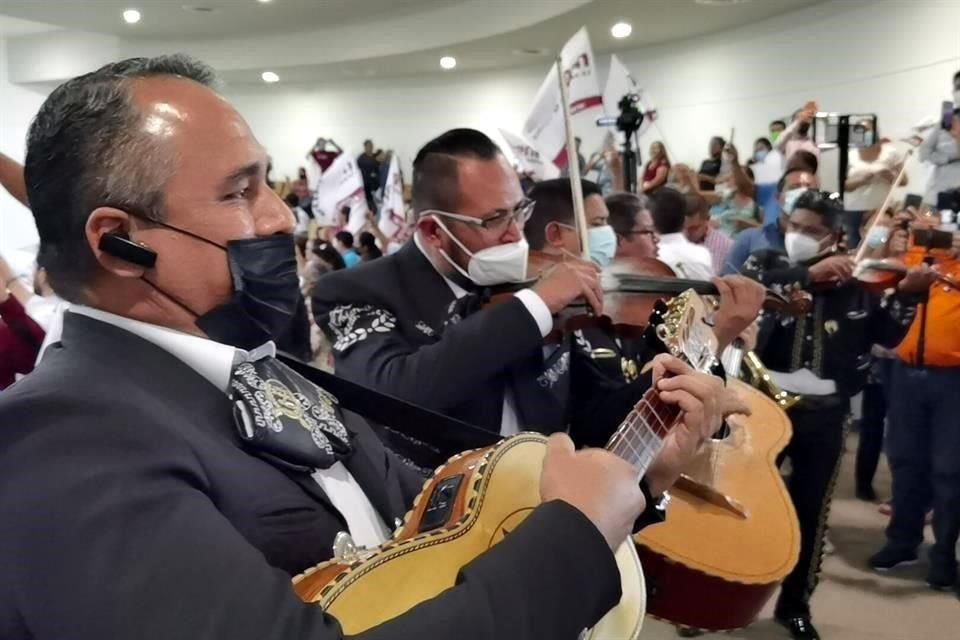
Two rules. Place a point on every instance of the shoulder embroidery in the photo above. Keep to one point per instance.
(351, 324)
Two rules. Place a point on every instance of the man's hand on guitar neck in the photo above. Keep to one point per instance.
(703, 401)
(601, 485)
(740, 302)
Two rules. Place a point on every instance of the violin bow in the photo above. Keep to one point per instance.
(573, 165)
(858, 256)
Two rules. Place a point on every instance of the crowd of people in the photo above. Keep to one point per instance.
(140, 332)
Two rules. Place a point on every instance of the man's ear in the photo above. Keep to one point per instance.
(110, 221)
(553, 234)
(430, 231)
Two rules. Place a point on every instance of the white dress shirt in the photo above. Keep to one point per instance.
(688, 260)
(215, 362)
(509, 421)
(871, 195)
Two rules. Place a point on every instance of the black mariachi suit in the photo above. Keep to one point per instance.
(129, 509)
(394, 326)
(833, 341)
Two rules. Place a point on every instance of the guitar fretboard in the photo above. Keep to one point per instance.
(640, 436)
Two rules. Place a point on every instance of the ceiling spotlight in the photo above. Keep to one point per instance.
(263, 1)
(270, 77)
(621, 30)
(448, 62)
(131, 16)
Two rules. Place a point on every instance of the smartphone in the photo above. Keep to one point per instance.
(933, 238)
(913, 200)
(947, 115)
(826, 129)
(949, 201)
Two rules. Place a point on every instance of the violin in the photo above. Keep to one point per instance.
(631, 289)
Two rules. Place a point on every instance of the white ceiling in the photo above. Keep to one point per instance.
(387, 37)
(17, 27)
(177, 19)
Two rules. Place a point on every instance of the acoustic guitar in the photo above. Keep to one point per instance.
(478, 497)
(732, 534)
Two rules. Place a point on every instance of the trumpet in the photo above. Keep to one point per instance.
(747, 366)
(757, 376)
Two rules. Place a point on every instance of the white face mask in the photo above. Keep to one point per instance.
(790, 199)
(494, 265)
(800, 247)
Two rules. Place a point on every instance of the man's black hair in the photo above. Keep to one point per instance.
(824, 204)
(345, 238)
(554, 200)
(435, 169)
(624, 208)
(86, 149)
(669, 210)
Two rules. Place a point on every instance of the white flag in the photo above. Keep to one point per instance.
(529, 158)
(544, 126)
(620, 82)
(341, 185)
(392, 220)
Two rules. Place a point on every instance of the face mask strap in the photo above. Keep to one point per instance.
(144, 218)
(457, 242)
(171, 298)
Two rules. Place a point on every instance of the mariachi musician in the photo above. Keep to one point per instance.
(616, 360)
(139, 497)
(824, 356)
(413, 326)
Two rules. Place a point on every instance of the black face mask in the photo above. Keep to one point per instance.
(266, 290)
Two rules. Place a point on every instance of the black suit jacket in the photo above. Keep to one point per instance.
(128, 509)
(390, 325)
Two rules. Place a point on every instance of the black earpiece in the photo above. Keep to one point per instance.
(119, 245)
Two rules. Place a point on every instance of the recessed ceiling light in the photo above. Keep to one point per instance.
(270, 77)
(720, 3)
(448, 62)
(621, 30)
(131, 16)
(263, 1)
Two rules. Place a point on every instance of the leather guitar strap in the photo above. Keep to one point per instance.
(448, 435)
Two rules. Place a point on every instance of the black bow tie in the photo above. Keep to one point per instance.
(285, 418)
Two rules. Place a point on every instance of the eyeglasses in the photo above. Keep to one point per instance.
(496, 223)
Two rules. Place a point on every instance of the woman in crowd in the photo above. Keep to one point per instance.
(655, 173)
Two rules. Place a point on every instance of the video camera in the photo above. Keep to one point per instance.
(629, 121)
(630, 118)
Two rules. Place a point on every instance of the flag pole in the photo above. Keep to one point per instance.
(573, 165)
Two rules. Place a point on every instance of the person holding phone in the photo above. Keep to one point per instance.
(942, 149)
(872, 170)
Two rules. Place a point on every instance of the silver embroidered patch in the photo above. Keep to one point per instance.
(425, 329)
(316, 417)
(352, 324)
(551, 376)
(582, 342)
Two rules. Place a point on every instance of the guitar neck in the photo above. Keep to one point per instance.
(640, 436)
